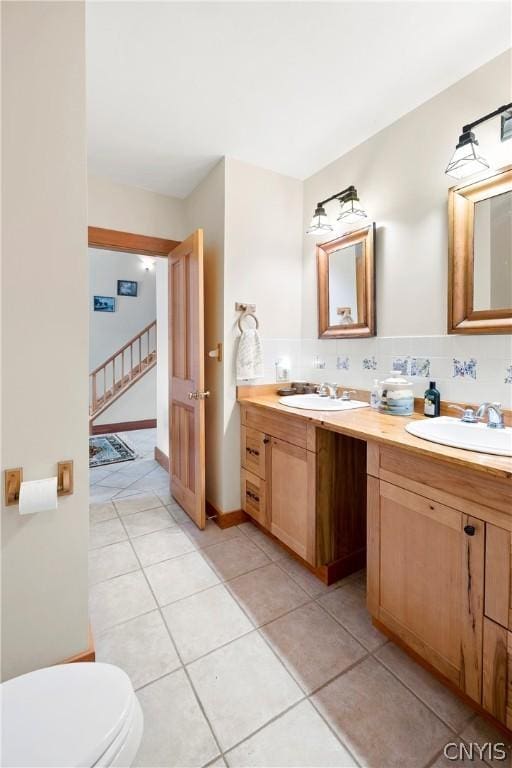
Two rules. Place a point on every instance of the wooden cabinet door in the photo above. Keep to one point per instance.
(426, 567)
(497, 672)
(291, 496)
(498, 575)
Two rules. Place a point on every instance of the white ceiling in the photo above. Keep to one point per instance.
(288, 86)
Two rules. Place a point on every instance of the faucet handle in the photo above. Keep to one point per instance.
(345, 395)
(468, 414)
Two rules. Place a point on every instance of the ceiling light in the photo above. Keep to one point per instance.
(319, 222)
(466, 159)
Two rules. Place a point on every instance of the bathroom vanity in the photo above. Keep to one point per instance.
(291, 489)
(436, 520)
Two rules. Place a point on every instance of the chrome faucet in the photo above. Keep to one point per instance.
(328, 390)
(495, 418)
(346, 394)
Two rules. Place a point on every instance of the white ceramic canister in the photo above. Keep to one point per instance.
(397, 395)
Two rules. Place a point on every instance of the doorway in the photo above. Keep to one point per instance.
(180, 332)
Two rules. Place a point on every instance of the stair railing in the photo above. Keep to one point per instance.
(123, 367)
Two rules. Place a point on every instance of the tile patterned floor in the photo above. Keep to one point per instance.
(241, 657)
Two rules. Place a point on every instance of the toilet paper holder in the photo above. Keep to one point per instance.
(14, 477)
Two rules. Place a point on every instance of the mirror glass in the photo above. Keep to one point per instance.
(346, 285)
(492, 253)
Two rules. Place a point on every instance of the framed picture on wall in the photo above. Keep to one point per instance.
(104, 304)
(127, 287)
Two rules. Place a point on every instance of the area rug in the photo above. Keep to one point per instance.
(108, 449)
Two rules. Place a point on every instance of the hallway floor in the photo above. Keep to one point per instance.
(239, 655)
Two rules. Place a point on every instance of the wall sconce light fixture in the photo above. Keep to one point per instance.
(147, 263)
(466, 159)
(351, 211)
(319, 221)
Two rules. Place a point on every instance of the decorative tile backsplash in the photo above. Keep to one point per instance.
(401, 364)
(412, 366)
(420, 366)
(369, 363)
(466, 369)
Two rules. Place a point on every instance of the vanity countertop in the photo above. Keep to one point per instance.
(371, 426)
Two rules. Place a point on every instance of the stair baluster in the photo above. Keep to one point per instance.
(99, 403)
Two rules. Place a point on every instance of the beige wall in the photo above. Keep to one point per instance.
(399, 174)
(130, 209)
(262, 266)
(44, 327)
(205, 209)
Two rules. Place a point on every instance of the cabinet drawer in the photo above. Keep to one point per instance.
(283, 426)
(463, 489)
(498, 575)
(253, 451)
(254, 497)
(497, 672)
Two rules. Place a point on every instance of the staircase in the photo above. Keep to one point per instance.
(110, 380)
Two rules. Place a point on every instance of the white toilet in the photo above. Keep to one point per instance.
(82, 714)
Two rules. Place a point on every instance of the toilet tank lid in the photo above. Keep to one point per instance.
(66, 715)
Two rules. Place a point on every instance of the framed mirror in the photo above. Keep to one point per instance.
(346, 285)
(480, 255)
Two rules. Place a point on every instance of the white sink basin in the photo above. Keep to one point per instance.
(472, 437)
(317, 403)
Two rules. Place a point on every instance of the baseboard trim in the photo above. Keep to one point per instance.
(122, 426)
(344, 566)
(329, 573)
(88, 655)
(226, 519)
(162, 458)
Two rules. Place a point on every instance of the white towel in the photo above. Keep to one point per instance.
(249, 359)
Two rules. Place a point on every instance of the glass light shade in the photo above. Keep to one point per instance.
(351, 211)
(319, 223)
(465, 160)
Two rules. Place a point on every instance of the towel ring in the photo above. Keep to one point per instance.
(248, 314)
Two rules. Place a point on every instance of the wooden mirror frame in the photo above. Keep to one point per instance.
(365, 287)
(462, 317)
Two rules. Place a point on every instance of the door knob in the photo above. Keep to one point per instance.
(199, 395)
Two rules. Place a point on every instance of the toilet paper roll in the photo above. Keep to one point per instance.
(38, 496)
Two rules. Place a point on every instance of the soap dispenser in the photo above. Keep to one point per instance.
(432, 403)
(375, 394)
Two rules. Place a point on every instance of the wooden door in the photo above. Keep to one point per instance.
(186, 377)
(291, 479)
(426, 576)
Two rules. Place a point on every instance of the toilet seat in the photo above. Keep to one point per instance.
(70, 715)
